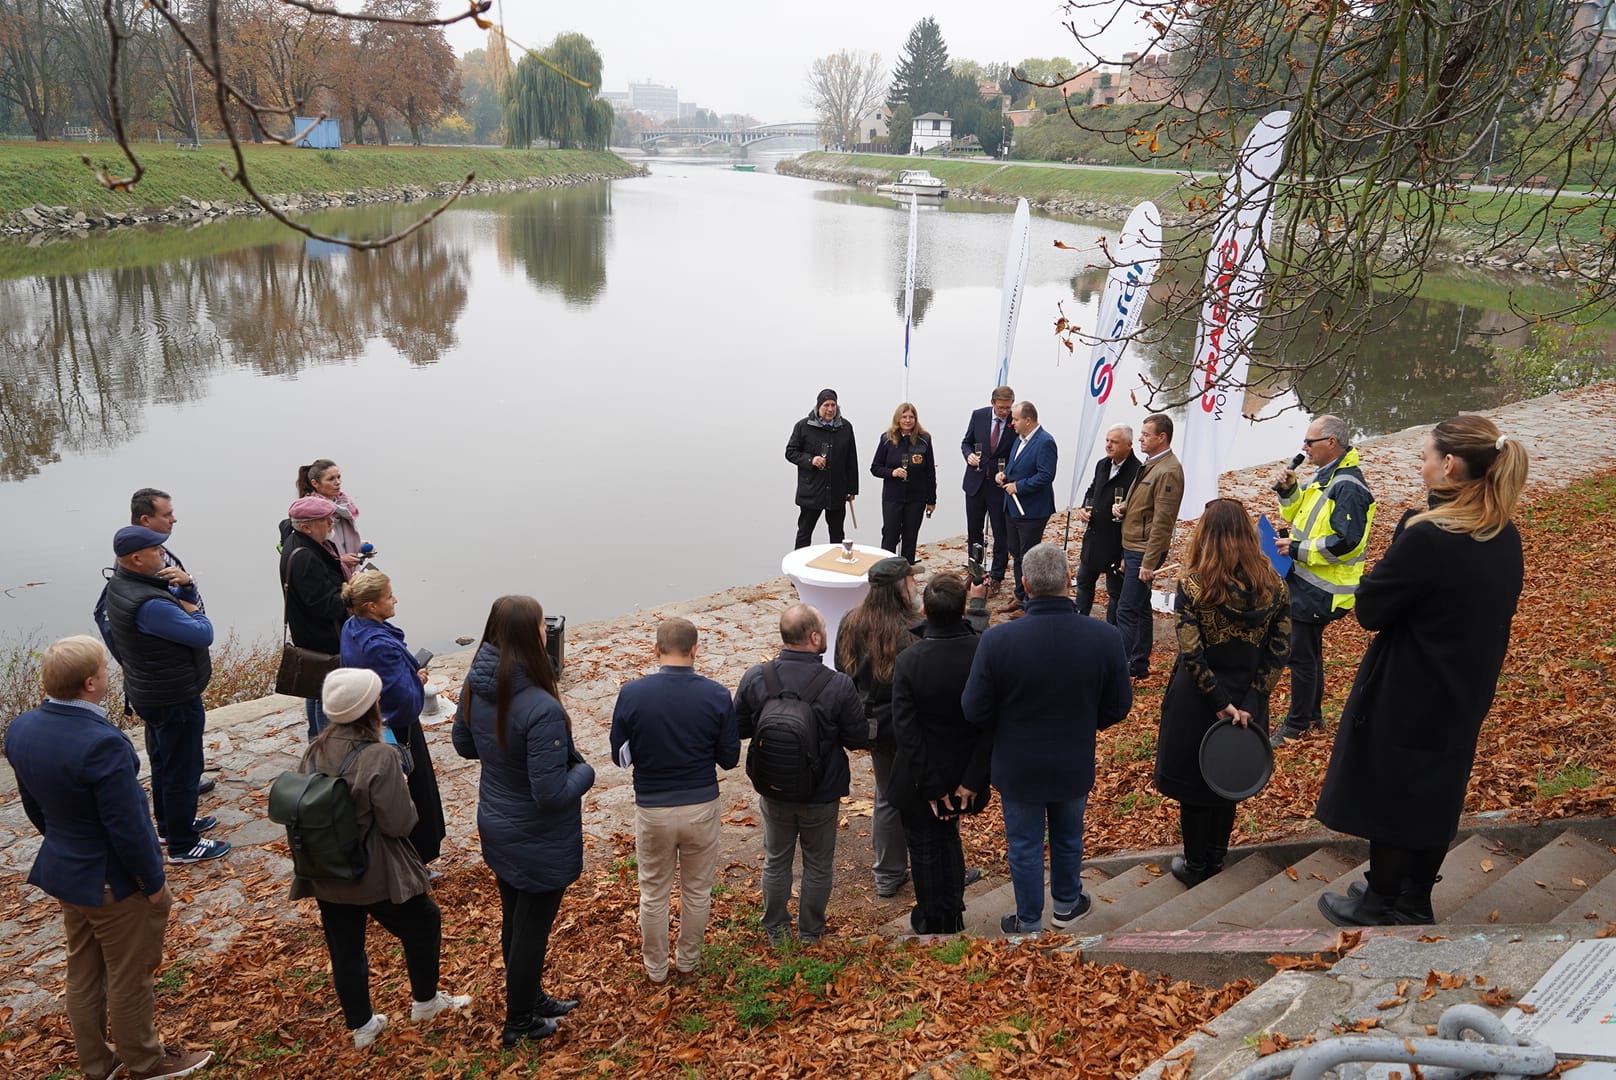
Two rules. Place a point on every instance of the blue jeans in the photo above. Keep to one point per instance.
(1024, 825)
(316, 715)
(1133, 615)
(174, 745)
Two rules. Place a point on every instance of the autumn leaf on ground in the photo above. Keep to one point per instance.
(1499, 996)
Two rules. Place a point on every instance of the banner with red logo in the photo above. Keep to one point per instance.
(1229, 314)
(1122, 303)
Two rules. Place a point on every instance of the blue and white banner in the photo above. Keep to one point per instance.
(1015, 286)
(909, 290)
(1229, 313)
(1127, 287)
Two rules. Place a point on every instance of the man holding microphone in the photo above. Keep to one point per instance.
(1329, 520)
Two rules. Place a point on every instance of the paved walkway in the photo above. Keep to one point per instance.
(249, 744)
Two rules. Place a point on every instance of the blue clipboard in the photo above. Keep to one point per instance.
(1266, 537)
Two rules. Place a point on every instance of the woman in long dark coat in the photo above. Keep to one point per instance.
(1234, 631)
(1441, 601)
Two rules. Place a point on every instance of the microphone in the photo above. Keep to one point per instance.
(1295, 462)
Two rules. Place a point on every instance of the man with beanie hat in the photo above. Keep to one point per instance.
(162, 640)
(822, 448)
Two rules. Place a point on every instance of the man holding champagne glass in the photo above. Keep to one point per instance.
(826, 456)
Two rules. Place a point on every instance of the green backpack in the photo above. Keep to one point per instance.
(322, 828)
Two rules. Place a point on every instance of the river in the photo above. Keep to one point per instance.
(579, 393)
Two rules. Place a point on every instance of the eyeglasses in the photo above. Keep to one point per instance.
(1321, 438)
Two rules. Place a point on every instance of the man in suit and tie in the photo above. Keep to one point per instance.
(1101, 552)
(1029, 488)
(986, 444)
(78, 777)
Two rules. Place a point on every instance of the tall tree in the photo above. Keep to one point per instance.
(32, 67)
(922, 76)
(554, 95)
(844, 88)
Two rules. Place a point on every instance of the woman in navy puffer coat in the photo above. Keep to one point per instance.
(529, 803)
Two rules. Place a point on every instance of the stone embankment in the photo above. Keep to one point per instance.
(1458, 245)
(38, 220)
(249, 744)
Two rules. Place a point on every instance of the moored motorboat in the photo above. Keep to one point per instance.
(915, 182)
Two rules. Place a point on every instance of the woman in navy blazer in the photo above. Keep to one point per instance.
(904, 461)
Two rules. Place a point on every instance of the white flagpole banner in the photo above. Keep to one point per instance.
(1229, 313)
(1127, 287)
(1015, 284)
(909, 291)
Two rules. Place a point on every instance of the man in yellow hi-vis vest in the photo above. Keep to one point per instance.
(1329, 520)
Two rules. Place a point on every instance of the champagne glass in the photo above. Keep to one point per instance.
(976, 448)
(1116, 504)
(824, 453)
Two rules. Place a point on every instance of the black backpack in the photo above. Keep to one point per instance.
(322, 828)
(783, 760)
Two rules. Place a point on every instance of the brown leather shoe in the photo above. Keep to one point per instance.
(174, 1064)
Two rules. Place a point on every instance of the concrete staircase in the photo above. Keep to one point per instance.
(1496, 876)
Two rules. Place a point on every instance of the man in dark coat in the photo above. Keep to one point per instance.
(311, 585)
(826, 456)
(1044, 686)
(985, 446)
(940, 769)
(1028, 480)
(163, 642)
(1101, 552)
(811, 823)
(78, 777)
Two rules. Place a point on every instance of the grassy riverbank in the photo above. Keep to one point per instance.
(1044, 184)
(53, 174)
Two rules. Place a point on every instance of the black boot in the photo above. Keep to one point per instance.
(1412, 906)
(530, 1027)
(1195, 822)
(1222, 829)
(1369, 908)
(548, 1007)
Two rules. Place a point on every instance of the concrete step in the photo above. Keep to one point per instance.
(1539, 888)
(1216, 892)
(1464, 874)
(984, 909)
(1126, 897)
(1596, 906)
(1259, 906)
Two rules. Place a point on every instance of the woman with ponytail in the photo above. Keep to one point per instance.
(1440, 602)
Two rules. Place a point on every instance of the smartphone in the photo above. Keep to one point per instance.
(974, 566)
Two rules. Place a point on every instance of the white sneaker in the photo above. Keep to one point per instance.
(426, 1010)
(364, 1036)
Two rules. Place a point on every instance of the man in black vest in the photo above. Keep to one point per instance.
(162, 641)
(1101, 552)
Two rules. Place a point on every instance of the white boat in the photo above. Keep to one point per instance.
(915, 182)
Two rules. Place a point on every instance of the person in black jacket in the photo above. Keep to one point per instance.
(904, 461)
(1101, 552)
(311, 584)
(941, 766)
(826, 456)
(812, 823)
(1441, 601)
(672, 728)
(986, 449)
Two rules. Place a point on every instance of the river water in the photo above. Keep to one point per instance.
(582, 394)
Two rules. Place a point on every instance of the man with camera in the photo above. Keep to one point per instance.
(1101, 552)
(1329, 540)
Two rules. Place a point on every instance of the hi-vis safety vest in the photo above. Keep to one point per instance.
(1309, 510)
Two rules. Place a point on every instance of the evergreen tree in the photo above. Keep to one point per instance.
(922, 77)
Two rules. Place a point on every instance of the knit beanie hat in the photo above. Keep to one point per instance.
(824, 396)
(349, 693)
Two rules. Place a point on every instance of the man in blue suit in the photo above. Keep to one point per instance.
(1043, 686)
(1029, 488)
(78, 778)
(987, 443)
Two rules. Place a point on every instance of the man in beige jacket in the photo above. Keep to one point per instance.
(1148, 517)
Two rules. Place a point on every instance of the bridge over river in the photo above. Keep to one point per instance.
(739, 138)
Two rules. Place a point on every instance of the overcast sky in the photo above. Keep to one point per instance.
(745, 56)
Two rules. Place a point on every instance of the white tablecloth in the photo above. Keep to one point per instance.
(833, 593)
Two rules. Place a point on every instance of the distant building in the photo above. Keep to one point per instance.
(875, 126)
(988, 90)
(1594, 27)
(654, 100)
(687, 111)
(929, 131)
(618, 99)
(1023, 117)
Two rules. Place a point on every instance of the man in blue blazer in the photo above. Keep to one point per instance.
(79, 781)
(987, 442)
(1043, 686)
(1029, 487)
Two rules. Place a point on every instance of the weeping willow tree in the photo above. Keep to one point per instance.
(1416, 126)
(552, 95)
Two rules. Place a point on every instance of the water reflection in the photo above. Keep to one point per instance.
(560, 237)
